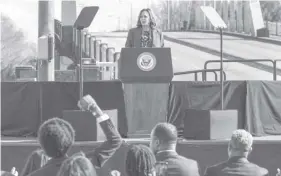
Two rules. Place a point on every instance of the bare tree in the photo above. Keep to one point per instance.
(271, 10)
(15, 50)
(172, 13)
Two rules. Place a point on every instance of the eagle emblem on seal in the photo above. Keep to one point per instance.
(146, 61)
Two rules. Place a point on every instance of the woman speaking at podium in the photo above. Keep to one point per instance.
(146, 34)
(146, 101)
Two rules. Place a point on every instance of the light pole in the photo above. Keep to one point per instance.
(168, 4)
(46, 68)
(131, 14)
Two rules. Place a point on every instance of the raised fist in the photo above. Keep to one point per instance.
(14, 171)
(87, 103)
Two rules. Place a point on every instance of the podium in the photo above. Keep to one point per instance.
(145, 65)
(146, 74)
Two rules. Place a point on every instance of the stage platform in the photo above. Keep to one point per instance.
(266, 152)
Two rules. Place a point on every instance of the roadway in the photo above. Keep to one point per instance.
(187, 58)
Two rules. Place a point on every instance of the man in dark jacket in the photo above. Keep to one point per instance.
(163, 144)
(56, 136)
(239, 148)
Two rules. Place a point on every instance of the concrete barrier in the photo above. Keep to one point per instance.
(97, 50)
(116, 68)
(109, 58)
(92, 47)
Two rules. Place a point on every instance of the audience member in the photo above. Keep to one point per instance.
(77, 165)
(56, 136)
(163, 143)
(239, 149)
(140, 161)
(35, 160)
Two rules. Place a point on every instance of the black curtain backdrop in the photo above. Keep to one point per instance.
(26, 105)
(258, 103)
(263, 107)
(204, 96)
(20, 112)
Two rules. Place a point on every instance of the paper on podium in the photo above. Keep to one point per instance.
(213, 17)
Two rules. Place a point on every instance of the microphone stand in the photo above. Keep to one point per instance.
(221, 71)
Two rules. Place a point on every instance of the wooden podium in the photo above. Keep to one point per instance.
(146, 74)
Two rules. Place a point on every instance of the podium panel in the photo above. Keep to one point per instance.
(210, 124)
(145, 65)
(146, 105)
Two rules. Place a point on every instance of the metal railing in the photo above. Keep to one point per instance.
(274, 64)
(275, 68)
(274, 28)
(99, 55)
(203, 71)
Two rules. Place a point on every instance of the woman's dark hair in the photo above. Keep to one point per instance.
(152, 20)
(140, 161)
(56, 136)
(78, 164)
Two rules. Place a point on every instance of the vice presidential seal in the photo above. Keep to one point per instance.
(146, 61)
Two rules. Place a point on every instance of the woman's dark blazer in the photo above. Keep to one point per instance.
(134, 36)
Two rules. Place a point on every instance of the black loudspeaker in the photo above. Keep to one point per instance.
(210, 124)
(263, 32)
(85, 124)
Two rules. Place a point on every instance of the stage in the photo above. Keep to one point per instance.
(266, 152)
(28, 105)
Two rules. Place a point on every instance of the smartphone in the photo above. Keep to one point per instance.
(161, 168)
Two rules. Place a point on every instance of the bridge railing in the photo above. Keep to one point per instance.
(275, 68)
(274, 28)
(273, 62)
(203, 72)
(98, 57)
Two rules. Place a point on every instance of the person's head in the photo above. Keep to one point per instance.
(240, 144)
(163, 137)
(140, 161)
(56, 136)
(77, 164)
(146, 18)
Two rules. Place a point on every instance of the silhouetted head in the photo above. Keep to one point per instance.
(146, 18)
(140, 161)
(56, 136)
(163, 137)
(240, 144)
(77, 165)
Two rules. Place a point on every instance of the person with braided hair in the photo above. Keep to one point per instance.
(78, 164)
(140, 161)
